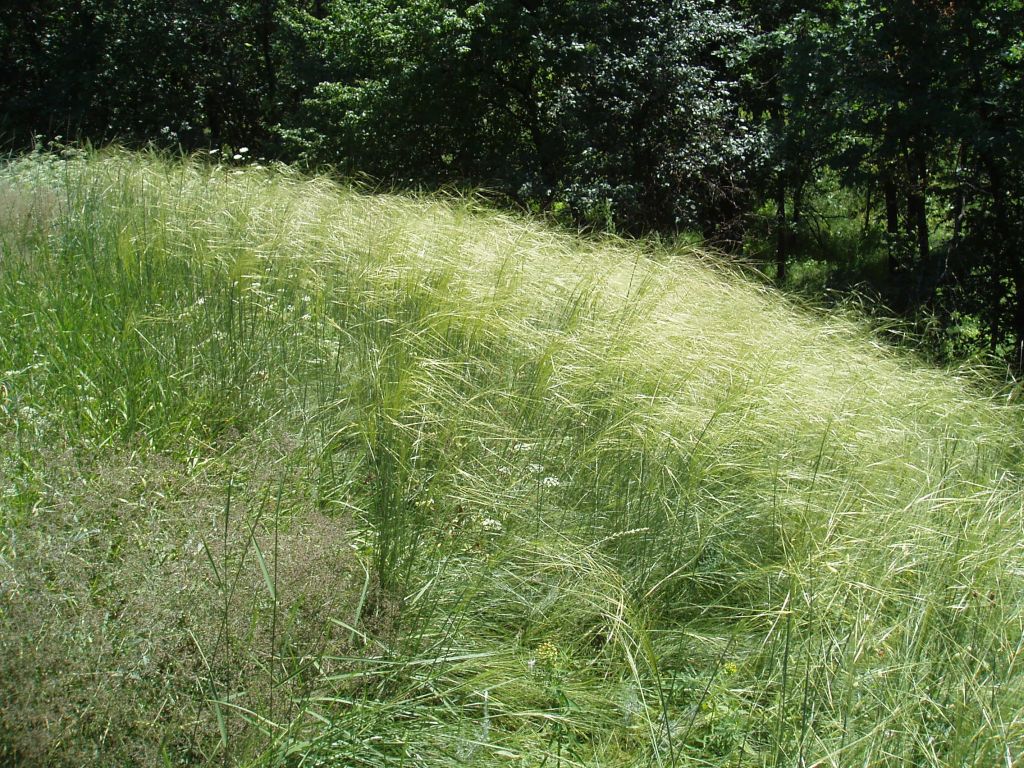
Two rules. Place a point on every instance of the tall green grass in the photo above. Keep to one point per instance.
(577, 502)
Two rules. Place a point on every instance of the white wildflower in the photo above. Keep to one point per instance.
(534, 469)
(551, 482)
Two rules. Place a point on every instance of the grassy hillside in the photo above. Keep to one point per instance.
(294, 475)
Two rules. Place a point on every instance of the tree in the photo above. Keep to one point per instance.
(785, 70)
(921, 101)
(616, 112)
(169, 71)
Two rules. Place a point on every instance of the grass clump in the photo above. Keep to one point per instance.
(294, 475)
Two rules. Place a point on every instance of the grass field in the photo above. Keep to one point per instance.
(296, 475)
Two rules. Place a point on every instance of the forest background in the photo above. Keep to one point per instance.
(849, 149)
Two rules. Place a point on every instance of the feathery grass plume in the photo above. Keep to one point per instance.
(499, 494)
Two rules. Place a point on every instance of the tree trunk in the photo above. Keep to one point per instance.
(1008, 263)
(919, 161)
(917, 218)
(778, 119)
(268, 8)
(959, 198)
(867, 211)
(781, 231)
(892, 221)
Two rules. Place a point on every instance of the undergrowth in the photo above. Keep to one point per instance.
(296, 475)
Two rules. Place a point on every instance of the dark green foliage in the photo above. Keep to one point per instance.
(731, 119)
(195, 73)
(918, 108)
(622, 114)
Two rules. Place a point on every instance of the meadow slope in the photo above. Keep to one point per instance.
(297, 475)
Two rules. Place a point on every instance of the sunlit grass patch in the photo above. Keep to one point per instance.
(424, 482)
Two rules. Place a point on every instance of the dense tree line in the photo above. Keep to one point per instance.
(919, 107)
(725, 118)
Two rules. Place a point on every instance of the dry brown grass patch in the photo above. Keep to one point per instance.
(116, 632)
